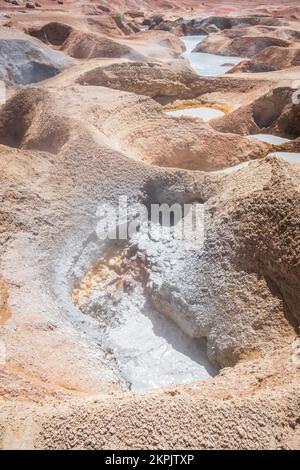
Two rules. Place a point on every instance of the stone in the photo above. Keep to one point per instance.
(76, 351)
(103, 8)
(29, 61)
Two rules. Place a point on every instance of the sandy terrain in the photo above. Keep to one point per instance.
(145, 342)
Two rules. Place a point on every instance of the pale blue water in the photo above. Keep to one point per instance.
(270, 139)
(203, 113)
(207, 64)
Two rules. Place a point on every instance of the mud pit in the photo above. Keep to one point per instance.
(148, 349)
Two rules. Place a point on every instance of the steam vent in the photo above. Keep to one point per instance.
(149, 225)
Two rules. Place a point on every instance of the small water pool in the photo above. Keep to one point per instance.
(206, 114)
(207, 64)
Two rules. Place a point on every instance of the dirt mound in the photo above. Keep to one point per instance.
(278, 210)
(151, 136)
(271, 58)
(172, 143)
(273, 113)
(87, 46)
(290, 146)
(56, 211)
(289, 121)
(91, 20)
(24, 61)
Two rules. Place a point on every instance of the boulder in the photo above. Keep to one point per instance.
(211, 24)
(123, 24)
(24, 61)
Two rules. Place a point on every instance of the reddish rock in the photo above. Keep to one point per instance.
(271, 58)
(239, 46)
(103, 8)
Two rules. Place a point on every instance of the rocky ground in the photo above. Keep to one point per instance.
(84, 122)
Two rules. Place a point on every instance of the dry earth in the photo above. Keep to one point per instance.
(83, 124)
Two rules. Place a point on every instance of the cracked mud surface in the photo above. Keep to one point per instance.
(148, 342)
